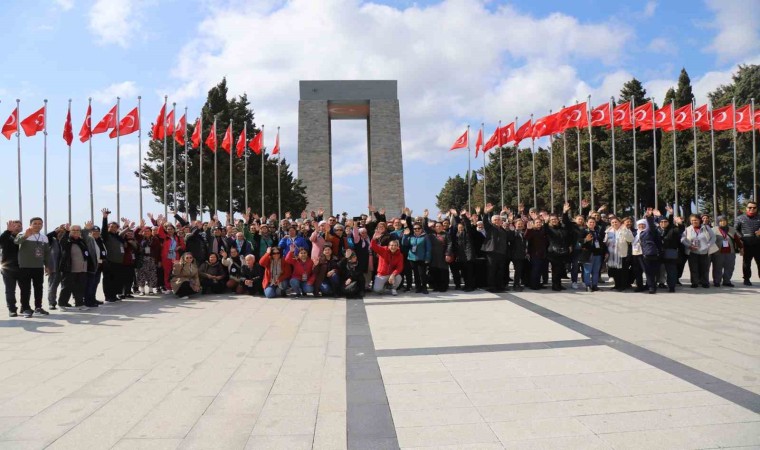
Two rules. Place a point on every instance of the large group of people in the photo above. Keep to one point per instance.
(341, 256)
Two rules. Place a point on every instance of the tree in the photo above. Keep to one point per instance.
(237, 109)
(453, 194)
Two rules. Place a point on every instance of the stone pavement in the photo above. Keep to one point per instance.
(454, 370)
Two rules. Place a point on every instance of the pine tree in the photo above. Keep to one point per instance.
(453, 194)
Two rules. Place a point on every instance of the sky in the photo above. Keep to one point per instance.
(457, 62)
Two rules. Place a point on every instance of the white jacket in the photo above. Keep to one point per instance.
(617, 245)
(702, 238)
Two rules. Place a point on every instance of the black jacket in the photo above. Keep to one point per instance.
(64, 266)
(195, 243)
(10, 250)
(559, 240)
(462, 243)
(496, 238)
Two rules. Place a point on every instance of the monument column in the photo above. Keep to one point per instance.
(386, 171)
(315, 154)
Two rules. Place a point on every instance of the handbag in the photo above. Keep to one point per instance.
(670, 253)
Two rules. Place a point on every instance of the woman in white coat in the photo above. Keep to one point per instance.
(617, 238)
(697, 240)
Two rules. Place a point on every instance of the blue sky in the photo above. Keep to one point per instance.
(456, 61)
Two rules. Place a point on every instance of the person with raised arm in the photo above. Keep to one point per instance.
(33, 255)
(390, 266)
(9, 263)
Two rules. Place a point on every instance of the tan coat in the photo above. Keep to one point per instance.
(185, 272)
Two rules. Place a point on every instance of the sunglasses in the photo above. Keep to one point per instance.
(417, 228)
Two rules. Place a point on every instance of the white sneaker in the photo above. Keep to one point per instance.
(574, 286)
(150, 291)
(184, 298)
(394, 292)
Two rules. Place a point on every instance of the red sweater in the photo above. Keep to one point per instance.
(265, 263)
(300, 268)
(180, 248)
(389, 263)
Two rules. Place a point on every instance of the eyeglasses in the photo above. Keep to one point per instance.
(417, 228)
(275, 253)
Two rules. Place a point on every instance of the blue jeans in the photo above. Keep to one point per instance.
(536, 271)
(330, 285)
(276, 291)
(301, 287)
(591, 271)
(93, 281)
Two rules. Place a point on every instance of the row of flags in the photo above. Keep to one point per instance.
(626, 115)
(163, 127)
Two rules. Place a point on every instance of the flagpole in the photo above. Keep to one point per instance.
(174, 160)
(245, 155)
(18, 145)
(501, 168)
(754, 151)
(654, 153)
(580, 167)
(469, 173)
(712, 151)
(232, 147)
(533, 157)
(216, 209)
(262, 175)
(44, 167)
(69, 166)
(694, 130)
(517, 165)
(635, 176)
(92, 198)
(590, 150)
(614, 177)
(482, 128)
(200, 159)
(675, 155)
(163, 119)
(118, 153)
(551, 170)
(187, 189)
(564, 154)
(279, 192)
(139, 150)
(736, 188)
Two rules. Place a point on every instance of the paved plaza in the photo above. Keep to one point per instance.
(530, 370)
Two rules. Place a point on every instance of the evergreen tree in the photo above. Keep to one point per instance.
(453, 194)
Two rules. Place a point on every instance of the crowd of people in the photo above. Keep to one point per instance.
(341, 256)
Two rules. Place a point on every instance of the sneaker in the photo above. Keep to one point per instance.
(393, 292)
(747, 283)
(588, 288)
(12, 314)
(128, 296)
(63, 306)
(53, 307)
(27, 313)
(112, 300)
(41, 311)
(82, 308)
(150, 291)
(574, 285)
(728, 284)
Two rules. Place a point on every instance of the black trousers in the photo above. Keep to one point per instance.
(419, 269)
(750, 252)
(10, 280)
(113, 280)
(27, 278)
(73, 285)
(497, 263)
(213, 287)
(652, 270)
(699, 268)
(638, 270)
(520, 275)
(457, 272)
(408, 277)
(439, 278)
(185, 290)
(128, 279)
(558, 270)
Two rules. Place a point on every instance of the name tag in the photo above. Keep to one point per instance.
(414, 248)
(596, 244)
(233, 270)
(86, 254)
(121, 249)
(725, 244)
(611, 235)
(147, 250)
(103, 253)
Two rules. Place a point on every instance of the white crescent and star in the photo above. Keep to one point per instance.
(621, 113)
(681, 117)
(661, 118)
(741, 116)
(601, 115)
(40, 119)
(12, 120)
(641, 115)
(722, 117)
(132, 119)
(575, 118)
(697, 116)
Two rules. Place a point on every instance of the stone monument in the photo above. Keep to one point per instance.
(374, 101)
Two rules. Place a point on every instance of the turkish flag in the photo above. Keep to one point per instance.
(663, 118)
(257, 143)
(600, 116)
(11, 125)
(240, 146)
(524, 131)
(179, 133)
(107, 122)
(493, 141)
(545, 125)
(478, 142)
(757, 119)
(227, 141)
(644, 116)
(34, 123)
(573, 117)
(744, 119)
(127, 125)
(723, 118)
(160, 125)
(684, 118)
(196, 137)
(276, 149)
(211, 139)
(702, 118)
(621, 116)
(68, 133)
(506, 134)
(461, 142)
(85, 133)
(169, 124)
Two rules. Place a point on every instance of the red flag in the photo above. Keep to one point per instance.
(240, 146)
(524, 131)
(479, 142)
(545, 125)
(107, 122)
(493, 141)
(600, 116)
(572, 117)
(757, 119)
(211, 139)
(179, 133)
(227, 141)
(663, 118)
(85, 133)
(127, 125)
(506, 134)
(702, 118)
(644, 116)
(11, 125)
(723, 118)
(276, 149)
(461, 142)
(257, 143)
(34, 123)
(196, 137)
(169, 124)
(68, 133)
(744, 119)
(159, 127)
(622, 116)
(684, 118)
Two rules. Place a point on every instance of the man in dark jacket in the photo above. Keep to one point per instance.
(518, 249)
(748, 227)
(495, 248)
(195, 241)
(54, 274)
(114, 271)
(75, 263)
(9, 263)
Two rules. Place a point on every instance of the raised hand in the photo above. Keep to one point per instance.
(656, 212)
(9, 225)
(584, 203)
(489, 208)
(287, 214)
(88, 225)
(425, 213)
(453, 212)
(150, 215)
(105, 212)
(566, 207)
(477, 210)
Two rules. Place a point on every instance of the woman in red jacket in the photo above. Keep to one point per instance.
(276, 273)
(390, 266)
(302, 278)
(173, 246)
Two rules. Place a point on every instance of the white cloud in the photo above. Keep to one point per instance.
(738, 29)
(662, 45)
(114, 21)
(650, 8)
(65, 4)
(107, 95)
